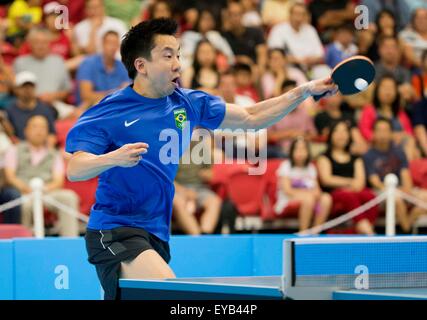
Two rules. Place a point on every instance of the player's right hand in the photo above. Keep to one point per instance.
(129, 154)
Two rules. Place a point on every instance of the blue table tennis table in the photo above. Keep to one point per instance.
(350, 268)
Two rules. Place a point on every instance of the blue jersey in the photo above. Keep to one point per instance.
(141, 196)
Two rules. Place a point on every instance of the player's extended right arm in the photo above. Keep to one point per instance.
(84, 165)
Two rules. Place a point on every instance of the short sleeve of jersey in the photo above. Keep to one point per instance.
(209, 109)
(87, 136)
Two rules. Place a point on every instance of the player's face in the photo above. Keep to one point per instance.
(164, 68)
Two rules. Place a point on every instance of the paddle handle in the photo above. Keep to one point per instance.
(320, 96)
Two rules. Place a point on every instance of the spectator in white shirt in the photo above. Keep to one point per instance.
(414, 37)
(89, 32)
(299, 39)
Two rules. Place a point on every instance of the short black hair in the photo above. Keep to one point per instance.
(384, 38)
(240, 66)
(280, 50)
(288, 83)
(139, 41)
(345, 27)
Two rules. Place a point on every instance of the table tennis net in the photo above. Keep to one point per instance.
(368, 263)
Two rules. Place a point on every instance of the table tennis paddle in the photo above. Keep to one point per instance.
(352, 75)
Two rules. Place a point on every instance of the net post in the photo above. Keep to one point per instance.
(390, 182)
(36, 185)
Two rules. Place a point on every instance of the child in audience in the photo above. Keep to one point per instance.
(298, 184)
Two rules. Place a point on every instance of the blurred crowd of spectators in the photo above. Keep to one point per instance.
(55, 64)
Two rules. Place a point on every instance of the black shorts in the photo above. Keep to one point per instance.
(108, 248)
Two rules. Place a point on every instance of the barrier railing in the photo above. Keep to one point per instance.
(39, 199)
(389, 196)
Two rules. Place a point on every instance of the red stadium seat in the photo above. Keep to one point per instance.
(8, 231)
(221, 174)
(418, 169)
(247, 192)
(62, 127)
(85, 190)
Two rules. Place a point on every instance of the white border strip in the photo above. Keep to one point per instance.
(337, 240)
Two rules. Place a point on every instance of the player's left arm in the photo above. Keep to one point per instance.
(266, 113)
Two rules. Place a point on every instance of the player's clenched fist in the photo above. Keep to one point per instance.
(129, 154)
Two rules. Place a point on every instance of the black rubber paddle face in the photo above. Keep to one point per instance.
(345, 75)
(346, 72)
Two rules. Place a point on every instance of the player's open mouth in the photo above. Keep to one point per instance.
(175, 81)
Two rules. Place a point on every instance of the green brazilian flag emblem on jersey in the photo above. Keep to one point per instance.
(180, 116)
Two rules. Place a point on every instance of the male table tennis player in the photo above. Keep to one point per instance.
(119, 141)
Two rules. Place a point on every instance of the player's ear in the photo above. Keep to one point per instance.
(140, 65)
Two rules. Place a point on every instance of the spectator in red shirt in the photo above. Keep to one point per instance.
(386, 104)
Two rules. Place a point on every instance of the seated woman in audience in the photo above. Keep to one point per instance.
(279, 71)
(335, 109)
(203, 74)
(343, 175)
(386, 104)
(298, 184)
(205, 27)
